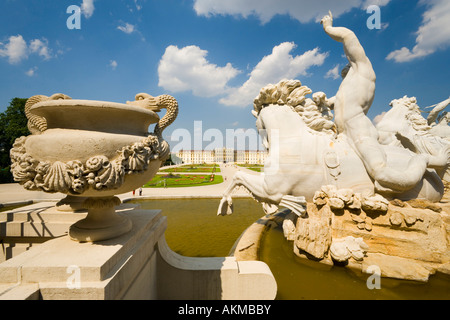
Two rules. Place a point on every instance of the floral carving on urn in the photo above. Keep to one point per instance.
(92, 149)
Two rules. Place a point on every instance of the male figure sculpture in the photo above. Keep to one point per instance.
(351, 104)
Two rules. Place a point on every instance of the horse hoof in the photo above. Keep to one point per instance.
(225, 208)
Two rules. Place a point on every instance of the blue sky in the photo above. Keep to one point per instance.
(215, 55)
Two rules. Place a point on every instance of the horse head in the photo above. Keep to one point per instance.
(291, 94)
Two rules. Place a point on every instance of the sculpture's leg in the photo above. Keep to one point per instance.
(389, 179)
(102, 221)
(253, 183)
(437, 152)
(257, 185)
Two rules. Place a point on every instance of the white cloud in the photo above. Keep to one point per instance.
(187, 69)
(41, 48)
(333, 73)
(433, 34)
(31, 72)
(303, 10)
(138, 6)
(378, 118)
(127, 28)
(113, 64)
(15, 50)
(87, 7)
(406, 55)
(279, 65)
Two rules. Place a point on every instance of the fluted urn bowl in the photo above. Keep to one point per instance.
(93, 150)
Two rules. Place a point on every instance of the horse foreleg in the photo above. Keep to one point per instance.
(271, 197)
(253, 183)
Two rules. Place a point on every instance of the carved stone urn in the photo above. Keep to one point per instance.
(92, 150)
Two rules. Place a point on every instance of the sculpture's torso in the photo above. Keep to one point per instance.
(354, 97)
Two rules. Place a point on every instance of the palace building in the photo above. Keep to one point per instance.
(220, 155)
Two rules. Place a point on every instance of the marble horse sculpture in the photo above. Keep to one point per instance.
(403, 125)
(307, 150)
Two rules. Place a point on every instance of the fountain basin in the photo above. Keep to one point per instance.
(297, 278)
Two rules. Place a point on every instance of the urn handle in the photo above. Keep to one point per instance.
(37, 124)
(156, 104)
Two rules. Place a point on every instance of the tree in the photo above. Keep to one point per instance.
(13, 124)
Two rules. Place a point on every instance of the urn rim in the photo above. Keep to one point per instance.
(39, 108)
(93, 115)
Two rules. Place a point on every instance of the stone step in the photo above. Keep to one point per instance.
(39, 216)
(13, 249)
(43, 211)
(47, 212)
(34, 229)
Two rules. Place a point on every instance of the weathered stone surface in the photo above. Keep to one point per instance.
(397, 267)
(404, 242)
(423, 204)
(343, 249)
(313, 234)
(289, 226)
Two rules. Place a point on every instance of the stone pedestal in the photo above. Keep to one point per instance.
(136, 265)
(112, 269)
(23, 228)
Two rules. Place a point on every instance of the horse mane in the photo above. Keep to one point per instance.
(413, 114)
(314, 112)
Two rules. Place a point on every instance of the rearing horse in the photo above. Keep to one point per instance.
(301, 161)
(302, 158)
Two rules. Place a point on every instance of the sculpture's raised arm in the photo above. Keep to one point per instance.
(351, 104)
(337, 33)
(353, 49)
(436, 110)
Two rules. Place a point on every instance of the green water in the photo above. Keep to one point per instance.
(300, 279)
(194, 230)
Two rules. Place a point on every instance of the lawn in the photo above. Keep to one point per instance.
(254, 167)
(183, 180)
(194, 168)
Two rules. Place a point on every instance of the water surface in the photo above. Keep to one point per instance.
(300, 279)
(195, 230)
